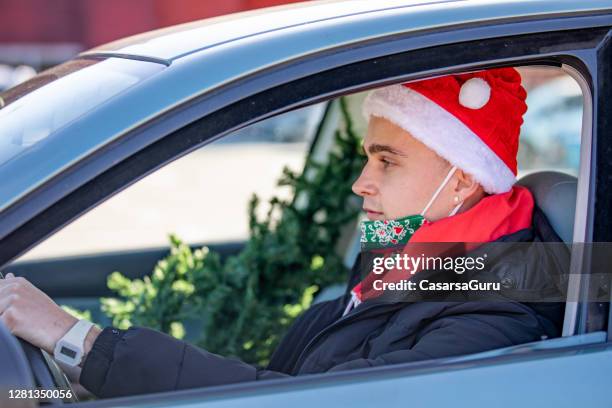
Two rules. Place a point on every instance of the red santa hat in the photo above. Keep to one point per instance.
(472, 120)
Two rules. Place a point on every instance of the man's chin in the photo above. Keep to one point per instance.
(375, 217)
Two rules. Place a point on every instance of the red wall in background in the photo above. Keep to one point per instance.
(94, 22)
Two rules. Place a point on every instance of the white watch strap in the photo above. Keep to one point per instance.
(69, 349)
(78, 332)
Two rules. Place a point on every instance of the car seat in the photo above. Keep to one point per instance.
(555, 194)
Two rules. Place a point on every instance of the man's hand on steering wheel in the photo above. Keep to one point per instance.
(33, 316)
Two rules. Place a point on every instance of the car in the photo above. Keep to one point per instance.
(79, 134)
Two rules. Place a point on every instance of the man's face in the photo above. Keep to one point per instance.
(401, 174)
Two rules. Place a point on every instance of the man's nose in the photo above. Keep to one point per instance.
(364, 185)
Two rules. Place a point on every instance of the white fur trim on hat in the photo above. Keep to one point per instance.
(442, 132)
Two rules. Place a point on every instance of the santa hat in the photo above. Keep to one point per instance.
(472, 120)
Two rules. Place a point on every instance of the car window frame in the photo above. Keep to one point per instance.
(602, 224)
(192, 136)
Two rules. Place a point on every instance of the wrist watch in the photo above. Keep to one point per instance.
(69, 349)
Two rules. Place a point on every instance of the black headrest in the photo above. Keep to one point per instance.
(555, 194)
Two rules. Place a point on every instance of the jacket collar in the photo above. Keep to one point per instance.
(492, 217)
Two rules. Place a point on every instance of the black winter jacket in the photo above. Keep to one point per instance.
(141, 360)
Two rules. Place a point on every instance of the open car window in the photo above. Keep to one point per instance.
(204, 197)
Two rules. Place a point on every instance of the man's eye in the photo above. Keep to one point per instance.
(386, 163)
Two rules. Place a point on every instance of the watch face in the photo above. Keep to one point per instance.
(68, 352)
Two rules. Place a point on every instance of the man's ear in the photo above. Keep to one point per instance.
(466, 187)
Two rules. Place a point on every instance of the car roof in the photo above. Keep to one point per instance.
(181, 40)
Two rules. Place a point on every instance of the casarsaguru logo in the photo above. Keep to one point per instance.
(425, 285)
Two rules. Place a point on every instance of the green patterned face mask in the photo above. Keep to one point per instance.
(389, 233)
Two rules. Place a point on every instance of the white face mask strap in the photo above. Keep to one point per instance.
(435, 195)
(455, 209)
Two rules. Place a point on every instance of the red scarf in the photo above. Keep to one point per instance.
(491, 218)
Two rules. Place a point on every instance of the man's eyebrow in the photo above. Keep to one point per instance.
(378, 148)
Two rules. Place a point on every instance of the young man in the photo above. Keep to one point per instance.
(441, 168)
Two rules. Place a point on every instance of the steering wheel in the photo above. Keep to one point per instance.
(23, 366)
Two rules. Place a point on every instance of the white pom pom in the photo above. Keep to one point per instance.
(474, 93)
